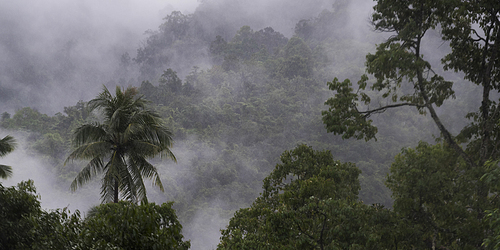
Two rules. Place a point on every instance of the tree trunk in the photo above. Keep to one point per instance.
(115, 191)
(446, 134)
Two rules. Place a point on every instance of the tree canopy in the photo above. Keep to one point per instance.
(234, 97)
(123, 225)
(304, 200)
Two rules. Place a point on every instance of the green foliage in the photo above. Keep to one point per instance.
(248, 46)
(436, 189)
(28, 119)
(125, 225)
(57, 229)
(243, 45)
(402, 76)
(406, 79)
(170, 81)
(309, 202)
(16, 204)
(435, 192)
(303, 165)
(343, 117)
(75, 116)
(7, 145)
(331, 25)
(493, 219)
(51, 144)
(109, 226)
(5, 116)
(263, 95)
(179, 43)
(473, 30)
(119, 146)
(26, 226)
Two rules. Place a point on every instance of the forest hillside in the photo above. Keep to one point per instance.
(237, 85)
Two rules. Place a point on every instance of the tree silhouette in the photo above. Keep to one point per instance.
(119, 146)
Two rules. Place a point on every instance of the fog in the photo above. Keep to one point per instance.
(57, 51)
(54, 53)
(28, 165)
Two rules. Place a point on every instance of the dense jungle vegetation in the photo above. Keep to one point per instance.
(272, 148)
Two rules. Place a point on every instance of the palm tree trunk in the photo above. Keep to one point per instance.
(116, 192)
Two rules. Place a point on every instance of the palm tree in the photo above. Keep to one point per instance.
(7, 145)
(118, 147)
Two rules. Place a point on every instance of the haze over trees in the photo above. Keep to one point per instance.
(237, 90)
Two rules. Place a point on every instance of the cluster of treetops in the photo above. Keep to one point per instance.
(260, 99)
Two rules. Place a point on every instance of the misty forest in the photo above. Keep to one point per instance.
(228, 124)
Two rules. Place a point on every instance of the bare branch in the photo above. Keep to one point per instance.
(368, 113)
(479, 38)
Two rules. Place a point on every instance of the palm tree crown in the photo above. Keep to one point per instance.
(118, 147)
(7, 145)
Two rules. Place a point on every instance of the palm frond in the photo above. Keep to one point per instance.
(5, 171)
(149, 150)
(144, 148)
(154, 134)
(140, 103)
(112, 174)
(146, 117)
(141, 189)
(89, 133)
(94, 167)
(7, 145)
(136, 170)
(147, 170)
(90, 151)
(116, 121)
(101, 101)
(157, 136)
(107, 189)
(132, 188)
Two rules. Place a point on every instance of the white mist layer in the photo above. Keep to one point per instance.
(54, 53)
(28, 166)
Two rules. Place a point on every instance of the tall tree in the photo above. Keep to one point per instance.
(473, 30)
(119, 146)
(401, 73)
(7, 145)
(406, 79)
(309, 201)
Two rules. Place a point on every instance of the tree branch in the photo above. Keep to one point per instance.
(368, 113)
(479, 38)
